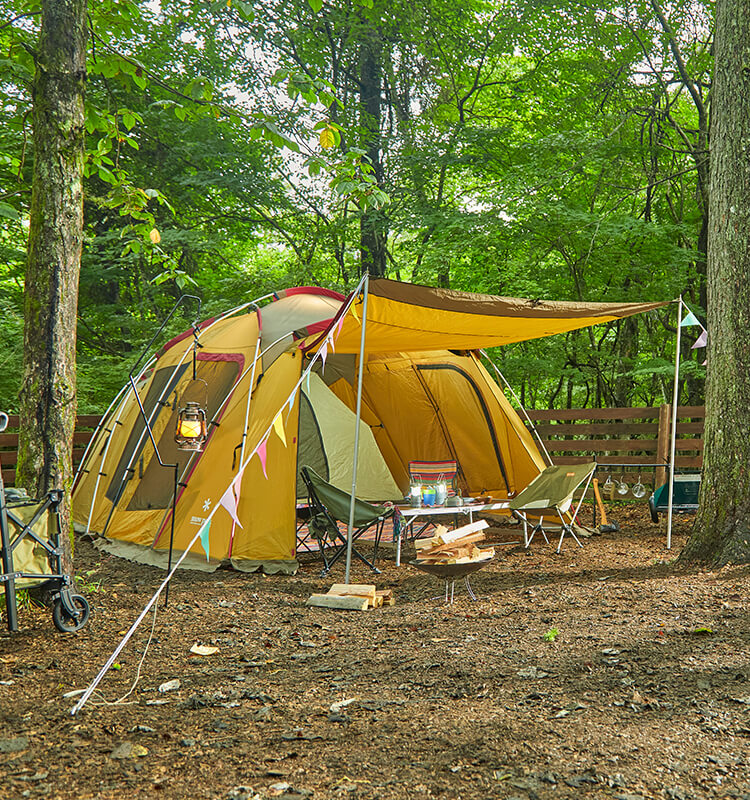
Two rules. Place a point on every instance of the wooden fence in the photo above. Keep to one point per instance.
(632, 441)
(85, 425)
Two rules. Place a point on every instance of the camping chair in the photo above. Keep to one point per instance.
(550, 493)
(328, 507)
(429, 473)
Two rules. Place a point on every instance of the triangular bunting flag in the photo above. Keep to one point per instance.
(354, 312)
(204, 536)
(237, 481)
(290, 404)
(323, 354)
(278, 426)
(702, 341)
(339, 326)
(330, 342)
(229, 502)
(690, 319)
(307, 380)
(704, 363)
(261, 451)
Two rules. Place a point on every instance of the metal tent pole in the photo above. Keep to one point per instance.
(673, 443)
(355, 461)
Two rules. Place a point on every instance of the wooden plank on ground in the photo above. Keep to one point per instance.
(337, 601)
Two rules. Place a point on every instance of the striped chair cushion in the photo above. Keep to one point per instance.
(430, 472)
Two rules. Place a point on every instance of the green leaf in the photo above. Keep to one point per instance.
(8, 211)
(316, 5)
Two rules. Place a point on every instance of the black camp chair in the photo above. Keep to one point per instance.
(329, 506)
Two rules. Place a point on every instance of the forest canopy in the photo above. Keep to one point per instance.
(546, 150)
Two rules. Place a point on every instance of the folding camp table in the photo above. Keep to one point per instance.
(551, 493)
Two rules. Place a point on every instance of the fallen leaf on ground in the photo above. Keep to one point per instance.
(203, 650)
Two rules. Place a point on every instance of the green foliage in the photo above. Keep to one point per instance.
(545, 151)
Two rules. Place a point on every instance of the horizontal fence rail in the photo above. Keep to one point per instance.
(85, 426)
(630, 443)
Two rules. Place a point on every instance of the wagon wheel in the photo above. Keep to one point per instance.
(652, 509)
(66, 623)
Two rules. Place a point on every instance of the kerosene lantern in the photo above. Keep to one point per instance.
(190, 433)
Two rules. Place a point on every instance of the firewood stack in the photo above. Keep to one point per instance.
(454, 547)
(353, 596)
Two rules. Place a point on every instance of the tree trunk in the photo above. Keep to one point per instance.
(47, 401)
(721, 533)
(373, 225)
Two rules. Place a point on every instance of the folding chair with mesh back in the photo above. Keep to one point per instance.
(328, 507)
(549, 494)
(431, 472)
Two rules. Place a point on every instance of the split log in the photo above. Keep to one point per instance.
(447, 537)
(353, 590)
(462, 542)
(351, 603)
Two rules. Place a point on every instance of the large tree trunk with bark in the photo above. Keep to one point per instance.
(722, 528)
(48, 391)
(373, 225)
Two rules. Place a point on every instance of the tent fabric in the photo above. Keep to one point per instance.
(445, 407)
(403, 317)
(335, 424)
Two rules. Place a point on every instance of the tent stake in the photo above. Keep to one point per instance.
(350, 528)
(673, 443)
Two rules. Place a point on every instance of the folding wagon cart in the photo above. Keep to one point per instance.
(30, 536)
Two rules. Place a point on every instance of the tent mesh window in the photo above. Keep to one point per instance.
(155, 488)
(310, 450)
(162, 385)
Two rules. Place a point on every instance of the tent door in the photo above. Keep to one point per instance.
(452, 408)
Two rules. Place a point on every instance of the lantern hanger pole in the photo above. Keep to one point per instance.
(176, 465)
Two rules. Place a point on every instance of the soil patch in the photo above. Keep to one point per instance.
(605, 671)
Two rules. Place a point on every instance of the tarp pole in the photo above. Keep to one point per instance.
(355, 461)
(673, 443)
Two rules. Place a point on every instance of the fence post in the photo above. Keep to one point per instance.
(662, 442)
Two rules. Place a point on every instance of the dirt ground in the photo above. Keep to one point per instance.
(607, 671)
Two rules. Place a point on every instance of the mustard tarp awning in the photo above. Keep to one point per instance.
(405, 317)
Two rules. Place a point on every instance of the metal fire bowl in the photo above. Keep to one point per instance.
(451, 570)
